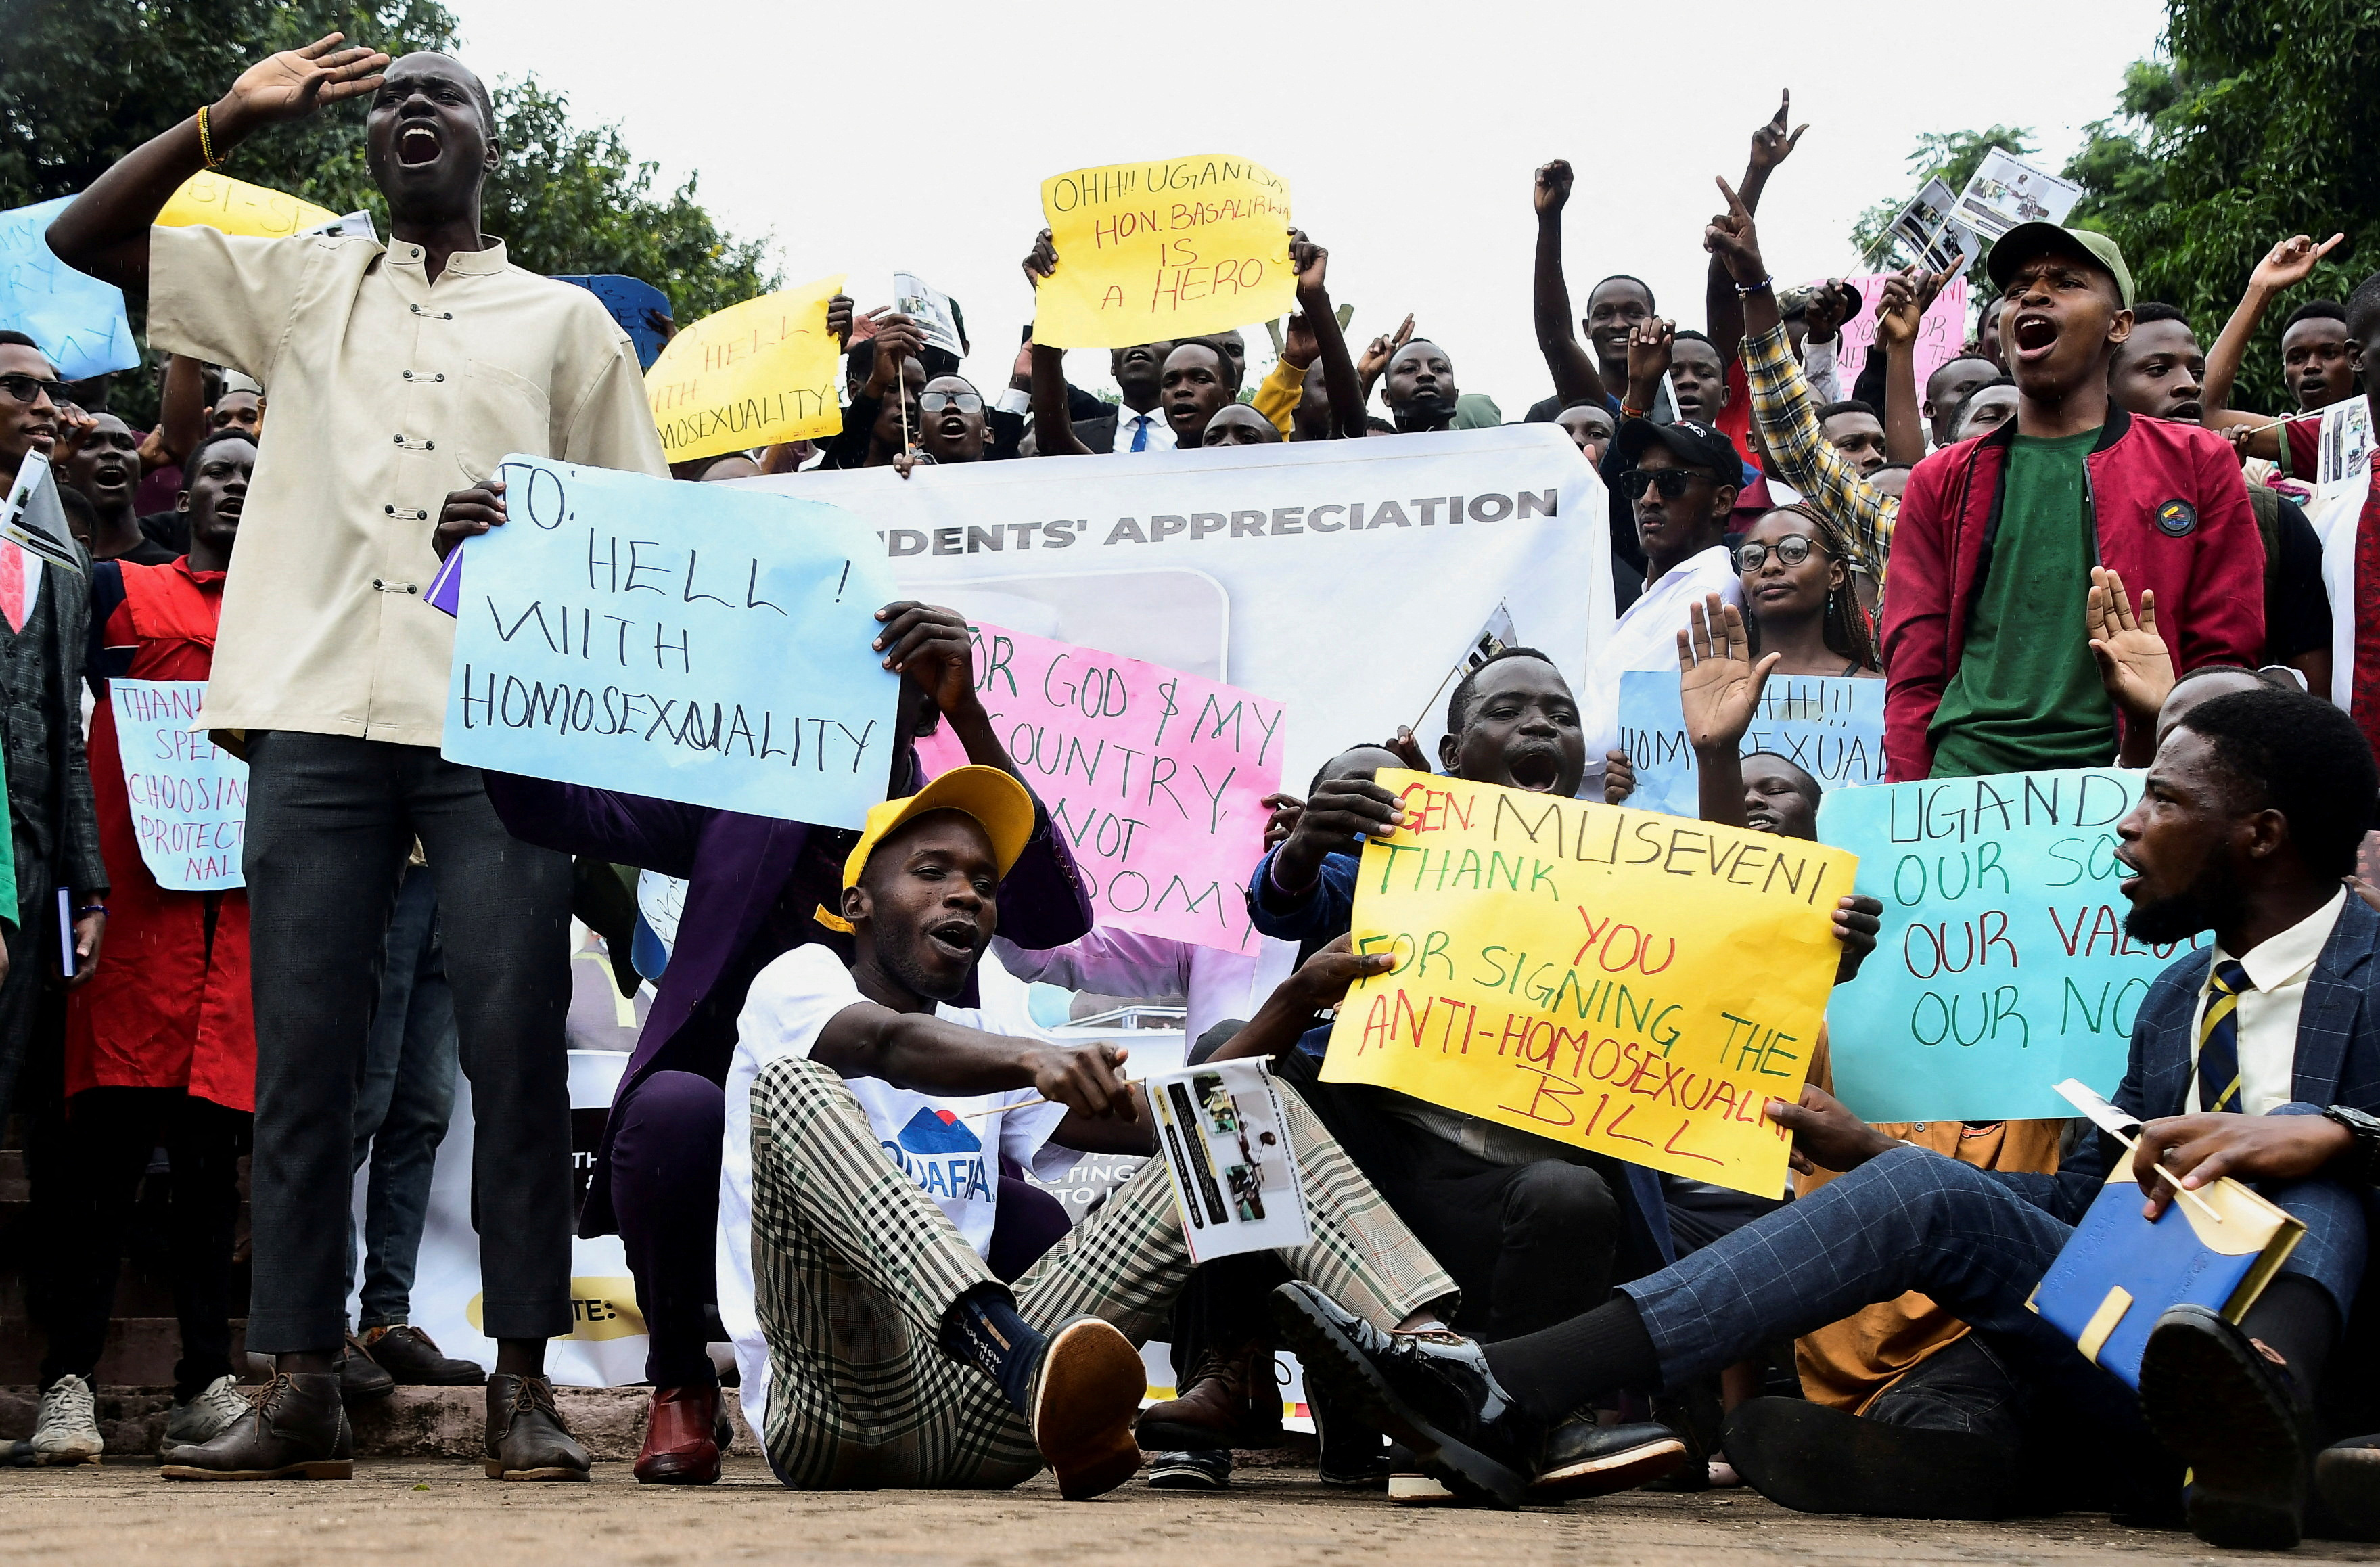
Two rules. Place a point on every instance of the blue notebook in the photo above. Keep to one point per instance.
(2120, 1272)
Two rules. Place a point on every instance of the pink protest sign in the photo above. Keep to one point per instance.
(1941, 331)
(1156, 778)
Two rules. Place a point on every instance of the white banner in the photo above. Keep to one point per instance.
(1343, 578)
(606, 1344)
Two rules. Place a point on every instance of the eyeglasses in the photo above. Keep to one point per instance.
(935, 402)
(1670, 482)
(1794, 549)
(25, 388)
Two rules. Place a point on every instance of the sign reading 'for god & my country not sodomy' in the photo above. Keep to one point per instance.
(1631, 982)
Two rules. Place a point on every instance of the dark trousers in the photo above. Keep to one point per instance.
(92, 1162)
(404, 1097)
(665, 1148)
(1910, 1220)
(331, 819)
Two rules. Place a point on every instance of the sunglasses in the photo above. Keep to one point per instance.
(1794, 549)
(25, 388)
(935, 402)
(1670, 482)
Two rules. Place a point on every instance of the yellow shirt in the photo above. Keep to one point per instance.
(387, 393)
(1279, 394)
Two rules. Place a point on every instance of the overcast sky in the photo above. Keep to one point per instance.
(917, 136)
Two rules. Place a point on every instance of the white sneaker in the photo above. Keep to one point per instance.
(67, 1428)
(206, 1416)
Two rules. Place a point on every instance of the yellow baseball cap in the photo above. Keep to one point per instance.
(998, 802)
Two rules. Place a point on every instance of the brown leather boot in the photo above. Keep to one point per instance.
(296, 1429)
(684, 1437)
(1228, 1401)
(526, 1437)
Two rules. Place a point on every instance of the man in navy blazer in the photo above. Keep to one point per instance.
(753, 886)
(2257, 1058)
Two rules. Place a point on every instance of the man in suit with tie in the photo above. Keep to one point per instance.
(2258, 1059)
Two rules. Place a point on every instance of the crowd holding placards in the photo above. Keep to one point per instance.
(1580, 1212)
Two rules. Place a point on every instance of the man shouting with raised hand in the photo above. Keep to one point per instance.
(404, 374)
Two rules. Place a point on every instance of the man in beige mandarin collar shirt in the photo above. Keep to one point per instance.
(399, 377)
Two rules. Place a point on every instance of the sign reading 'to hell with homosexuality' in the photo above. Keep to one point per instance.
(1631, 982)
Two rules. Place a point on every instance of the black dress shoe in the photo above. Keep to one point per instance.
(361, 1379)
(296, 1429)
(526, 1438)
(2214, 1399)
(1582, 1458)
(1432, 1392)
(2348, 1476)
(1350, 1451)
(1195, 1469)
(411, 1357)
(1814, 1458)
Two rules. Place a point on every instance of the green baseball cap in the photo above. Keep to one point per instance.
(2026, 240)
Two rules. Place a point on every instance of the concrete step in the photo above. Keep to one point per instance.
(409, 1423)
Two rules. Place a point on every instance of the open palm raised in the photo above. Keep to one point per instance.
(1719, 685)
(296, 83)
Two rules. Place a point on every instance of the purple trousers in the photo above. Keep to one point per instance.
(665, 1144)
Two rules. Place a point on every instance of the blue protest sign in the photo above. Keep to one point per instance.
(2002, 966)
(695, 642)
(643, 311)
(77, 319)
(1829, 726)
(188, 798)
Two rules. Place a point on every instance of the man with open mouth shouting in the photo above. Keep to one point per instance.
(404, 373)
(1990, 669)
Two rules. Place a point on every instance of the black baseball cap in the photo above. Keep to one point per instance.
(1697, 445)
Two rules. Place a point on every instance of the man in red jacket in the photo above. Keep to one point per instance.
(1990, 669)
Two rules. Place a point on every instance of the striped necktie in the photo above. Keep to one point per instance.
(2219, 1038)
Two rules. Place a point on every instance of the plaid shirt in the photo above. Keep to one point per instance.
(1788, 413)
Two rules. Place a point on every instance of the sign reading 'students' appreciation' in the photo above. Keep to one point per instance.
(1637, 984)
(687, 641)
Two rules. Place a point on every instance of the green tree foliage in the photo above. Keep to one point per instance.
(1951, 156)
(84, 81)
(2253, 127)
(570, 200)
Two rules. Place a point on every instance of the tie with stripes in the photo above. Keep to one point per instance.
(2219, 1038)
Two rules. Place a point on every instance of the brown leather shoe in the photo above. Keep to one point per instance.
(526, 1437)
(295, 1431)
(685, 1434)
(361, 1379)
(1228, 1401)
(1091, 1381)
(414, 1359)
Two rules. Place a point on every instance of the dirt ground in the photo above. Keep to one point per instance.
(443, 1514)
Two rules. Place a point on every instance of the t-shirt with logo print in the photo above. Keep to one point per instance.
(950, 1145)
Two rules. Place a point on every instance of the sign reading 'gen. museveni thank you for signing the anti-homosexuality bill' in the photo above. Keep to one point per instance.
(687, 641)
(2002, 967)
(1627, 981)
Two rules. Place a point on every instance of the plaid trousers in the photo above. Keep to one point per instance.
(853, 1269)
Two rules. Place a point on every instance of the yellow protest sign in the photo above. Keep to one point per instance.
(1175, 249)
(751, 376)
(1631, 982)
(237, 207)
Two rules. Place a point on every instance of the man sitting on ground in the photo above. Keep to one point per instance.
(876, 1347)
(2259, 1060)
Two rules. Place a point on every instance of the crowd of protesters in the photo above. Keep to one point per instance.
(2063, 548)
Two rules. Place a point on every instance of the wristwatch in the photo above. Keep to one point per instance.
(2363, 1162)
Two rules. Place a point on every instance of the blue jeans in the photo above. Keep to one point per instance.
(404, 1096)
(1910, 1220)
